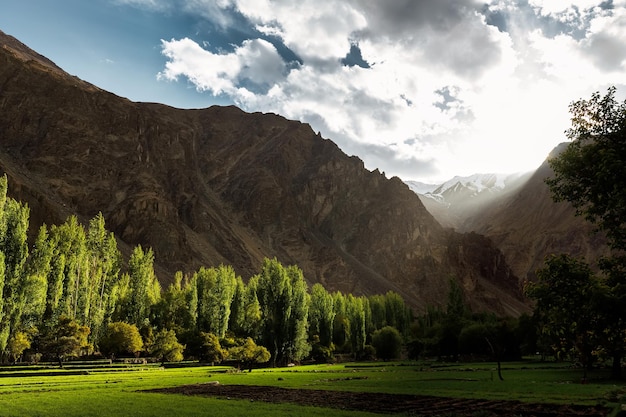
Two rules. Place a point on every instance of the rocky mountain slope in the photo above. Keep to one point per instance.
(218, 185)
(520, 218)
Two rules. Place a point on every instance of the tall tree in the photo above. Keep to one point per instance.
(284, 307)
(144, 288)
(104, 260)
(589, 175)
(13, 244)
(298, 324)
(566, 295)
(321, 315)
(39, 270)
(355, 312)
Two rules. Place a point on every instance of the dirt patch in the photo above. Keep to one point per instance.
(417, 405)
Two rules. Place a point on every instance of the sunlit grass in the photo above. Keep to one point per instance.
(119, 392)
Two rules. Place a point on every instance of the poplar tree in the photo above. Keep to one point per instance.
(13, 244)
(284, 301)
(321, 315)
(144, 290)
(104, 260)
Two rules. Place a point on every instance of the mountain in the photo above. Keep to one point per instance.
(218, 185)
(519, 216)
(459, 198)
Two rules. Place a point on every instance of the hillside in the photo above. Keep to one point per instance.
(218, 185)
(453, 202)
(518, 214)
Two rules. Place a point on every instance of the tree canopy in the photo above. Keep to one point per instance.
(589, 173)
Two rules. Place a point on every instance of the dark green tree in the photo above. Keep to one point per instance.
(589, 175)
(388, 343)
(566, 295)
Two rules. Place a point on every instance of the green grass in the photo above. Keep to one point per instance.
(118, 392)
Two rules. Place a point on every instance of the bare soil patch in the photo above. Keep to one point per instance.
(417, 405)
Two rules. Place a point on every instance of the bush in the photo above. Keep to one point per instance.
(121, 338)
(387, 342)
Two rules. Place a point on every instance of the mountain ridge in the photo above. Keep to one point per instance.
(218, 185)
(521, 219)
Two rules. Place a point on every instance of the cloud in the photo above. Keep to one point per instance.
(442, 88)
(253, 67)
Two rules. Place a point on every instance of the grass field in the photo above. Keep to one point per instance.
(116, 392)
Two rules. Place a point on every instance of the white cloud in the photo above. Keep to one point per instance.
(255, 61)
(547, 7)
(446, 92)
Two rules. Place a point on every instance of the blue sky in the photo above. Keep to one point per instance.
(421, 89)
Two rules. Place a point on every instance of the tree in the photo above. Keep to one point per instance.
(121, 338)
(104, 260)
(165, 347)
(216, 288)
(588, 174)
(65, 338)
(321, 315)
(283, 298)
(18, 343)
(355, 313)
(144, 289)
(249, 353)
(14, 247)
(387, 342)
(566, 293)
(211, 348)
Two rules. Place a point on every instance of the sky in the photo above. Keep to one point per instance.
(419, 89)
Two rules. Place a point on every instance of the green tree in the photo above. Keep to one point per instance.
(73, 274)
(283, 298)
(236, 322)
(355, 313)
(321, 315)
(566, 295)
(121, 338)
(175, 309)
(104, 260)
(39, 268)
(165, 347)
(13, 245)
(18, 343)
(216, 288)
(144, 288)
(249, 353)
(66, 338)
(387, 342)
(212, 350)
(586, 174)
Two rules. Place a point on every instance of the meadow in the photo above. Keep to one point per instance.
(121, 391)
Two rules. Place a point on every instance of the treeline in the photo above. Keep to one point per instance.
(71, 294)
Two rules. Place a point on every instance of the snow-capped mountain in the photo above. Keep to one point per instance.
(457, 199)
